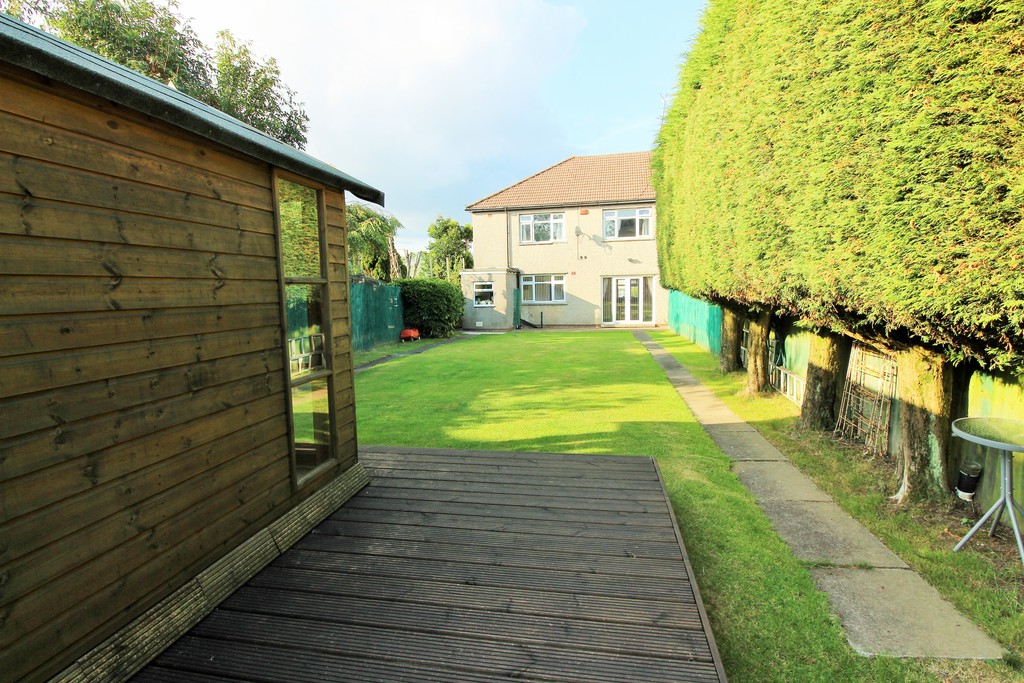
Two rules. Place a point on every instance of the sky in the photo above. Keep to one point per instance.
(440, 103)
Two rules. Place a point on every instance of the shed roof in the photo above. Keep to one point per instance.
(578, 181)
(35, 50)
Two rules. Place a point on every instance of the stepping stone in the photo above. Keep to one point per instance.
(825, 533)
(743, 442)
(895, 612)
(778, 481)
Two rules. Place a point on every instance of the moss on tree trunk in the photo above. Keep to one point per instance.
(824, 364)
(732, 339)
(925, 381)
(758, 375)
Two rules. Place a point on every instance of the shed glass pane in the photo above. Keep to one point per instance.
(306, 342)
(312, 421)
(300, 230)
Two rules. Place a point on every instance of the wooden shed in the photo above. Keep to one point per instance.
(176, 402)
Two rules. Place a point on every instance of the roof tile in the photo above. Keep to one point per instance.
(578, 181)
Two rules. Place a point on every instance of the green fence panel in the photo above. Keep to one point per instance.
(376, 314)
(697, 320)
(517, 308)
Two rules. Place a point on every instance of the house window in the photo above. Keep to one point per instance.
(483, 294)
(543, 289)
(306, 321)
(627, 223)
(542, 227)
(627, 299)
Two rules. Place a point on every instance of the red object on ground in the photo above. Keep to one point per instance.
(409, 334)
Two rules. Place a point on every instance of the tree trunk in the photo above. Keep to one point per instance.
(758, 373)
(925, 382)
(818, 410)
(732, 337)
(394, 261)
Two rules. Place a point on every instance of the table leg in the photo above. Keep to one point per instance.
(1016, 528)
(1010, 504)
(981, 522)
(1006, 487)
(997, 518)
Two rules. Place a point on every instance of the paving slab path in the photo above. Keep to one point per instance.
(885, 607)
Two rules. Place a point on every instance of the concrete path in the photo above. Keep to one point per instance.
(884, 606)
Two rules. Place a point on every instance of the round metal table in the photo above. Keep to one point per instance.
(1007, 436)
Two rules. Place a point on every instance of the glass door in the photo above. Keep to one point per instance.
(628, 299)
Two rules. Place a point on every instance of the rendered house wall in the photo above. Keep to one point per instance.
(584, 258)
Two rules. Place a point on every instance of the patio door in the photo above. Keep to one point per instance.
(628, 299)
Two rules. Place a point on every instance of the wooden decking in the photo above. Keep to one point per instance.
(470, 566)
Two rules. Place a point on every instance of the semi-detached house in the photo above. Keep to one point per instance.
(571, 245)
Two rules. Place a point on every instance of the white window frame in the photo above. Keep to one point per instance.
(529, 221)
(555, 281)
(614, 217)
(479, 287)
(647, 290)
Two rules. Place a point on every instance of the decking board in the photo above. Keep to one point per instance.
(460, 566)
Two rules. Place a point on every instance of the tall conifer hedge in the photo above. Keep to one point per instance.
(858, 164)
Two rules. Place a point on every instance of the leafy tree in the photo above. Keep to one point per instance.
(141, 35)
(252, 91)
(449, 248)
(371, 243)
(155, 41)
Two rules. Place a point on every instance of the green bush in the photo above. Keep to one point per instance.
(856, 164)
(434, 307)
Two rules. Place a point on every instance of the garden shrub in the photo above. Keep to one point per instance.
(434, 307)
(856, 165)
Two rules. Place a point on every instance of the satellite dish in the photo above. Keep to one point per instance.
(578, 231)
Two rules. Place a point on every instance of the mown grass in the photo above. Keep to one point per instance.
(361, 358)
(600, 392)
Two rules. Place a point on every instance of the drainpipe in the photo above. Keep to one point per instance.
(508, 240)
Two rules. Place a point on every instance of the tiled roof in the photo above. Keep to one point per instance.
(39, 52)
(578, 181)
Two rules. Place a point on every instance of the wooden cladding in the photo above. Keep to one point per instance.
(143, 418)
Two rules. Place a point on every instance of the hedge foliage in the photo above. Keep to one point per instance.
(858, 164)
(434, 307)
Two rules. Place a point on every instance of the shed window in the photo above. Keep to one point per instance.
(306, 321)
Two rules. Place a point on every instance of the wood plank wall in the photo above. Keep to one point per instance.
(337, 259)
(143, 429)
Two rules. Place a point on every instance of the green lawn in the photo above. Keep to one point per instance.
(600, 392)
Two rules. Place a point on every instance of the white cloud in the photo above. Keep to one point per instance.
(410, 96)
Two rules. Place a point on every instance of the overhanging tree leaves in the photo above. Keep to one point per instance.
(251, 90)
(371, 243)
(143, 36)
(155, 41)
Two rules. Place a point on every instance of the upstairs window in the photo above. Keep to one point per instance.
(627, 224)
(541, 227)
(543, 289)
